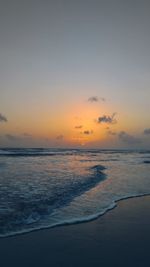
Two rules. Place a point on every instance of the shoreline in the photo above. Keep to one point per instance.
(124, 229)
(112, 206)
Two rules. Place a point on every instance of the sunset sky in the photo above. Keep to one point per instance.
(75, 73)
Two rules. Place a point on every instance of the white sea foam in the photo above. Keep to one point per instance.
(71, 187)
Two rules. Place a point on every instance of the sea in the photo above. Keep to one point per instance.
(43, 188)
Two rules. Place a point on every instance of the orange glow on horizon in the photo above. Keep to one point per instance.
(75, 123)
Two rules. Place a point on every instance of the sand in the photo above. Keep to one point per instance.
(120, 238)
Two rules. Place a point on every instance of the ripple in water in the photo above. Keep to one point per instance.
(43, 187)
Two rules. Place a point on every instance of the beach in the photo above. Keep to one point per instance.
(120, 237)
(74, 133)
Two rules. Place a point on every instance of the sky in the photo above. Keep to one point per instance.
(75, 73)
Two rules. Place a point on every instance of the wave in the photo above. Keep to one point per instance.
(98, 168)
(54, 191)
(98, 160)
(34, 152)
(29, 211)
(38, 152)
(84, 219)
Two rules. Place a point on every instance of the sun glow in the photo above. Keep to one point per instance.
(70, 124)
(82, 125)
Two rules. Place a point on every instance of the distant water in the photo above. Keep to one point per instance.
(42, 188)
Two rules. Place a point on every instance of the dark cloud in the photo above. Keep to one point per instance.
(96, 99)
(87, 132)
(107, 119)
(147, 131)
(60, 137)
(93, 99)
(3, 118)
(12, 137)
(128, 139)
(111, 132)
(78, 127)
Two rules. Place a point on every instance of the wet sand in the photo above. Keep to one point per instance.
(120, 238)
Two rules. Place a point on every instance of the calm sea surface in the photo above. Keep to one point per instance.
(42, 188)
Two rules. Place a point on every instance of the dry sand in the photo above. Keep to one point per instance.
(120, 238)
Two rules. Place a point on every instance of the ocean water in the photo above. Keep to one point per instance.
(41, 188)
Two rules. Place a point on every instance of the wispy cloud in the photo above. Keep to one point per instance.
(111, 132)
(107, 119)
(96, 99)
(60, 137)
(12, 137)
(102, 99)
(93, 99)
(87, 132)
(78, 127)
(3, 118)
(128, 139)
(27, 135)
(147, 131)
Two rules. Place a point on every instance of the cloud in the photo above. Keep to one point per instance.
(27, 135)
(107, 119)
(111, 132)
(147, 131)
(12, 137)
(78, 126)
(3, 118)
(128, 139)
(87, 132)
(102, 99)
(93, 99)
(60, 137)
(96, 99)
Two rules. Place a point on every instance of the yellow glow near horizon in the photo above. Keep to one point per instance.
(84, 116)
(49, 123)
